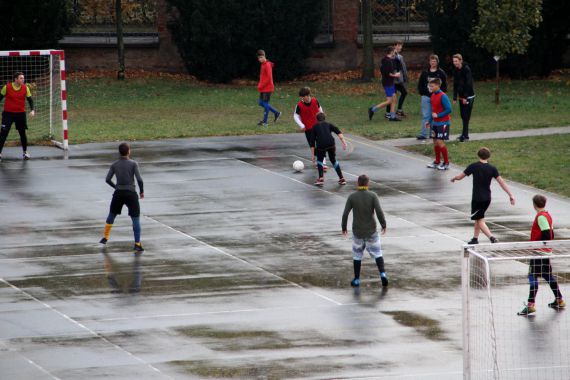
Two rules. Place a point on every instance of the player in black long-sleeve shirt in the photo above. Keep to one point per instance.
(463, 90)
(324, 143)
(388, 72)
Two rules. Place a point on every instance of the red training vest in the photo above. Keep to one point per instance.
(309, 113)
(15, 99)
(437, 106)
(535, 233)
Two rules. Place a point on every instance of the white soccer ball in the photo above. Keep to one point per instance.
(298, 166)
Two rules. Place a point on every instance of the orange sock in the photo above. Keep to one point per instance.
(107, 231)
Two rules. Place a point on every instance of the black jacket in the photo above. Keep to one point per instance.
(462, 82)
(428, 75)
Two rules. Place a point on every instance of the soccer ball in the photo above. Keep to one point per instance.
(298, 166)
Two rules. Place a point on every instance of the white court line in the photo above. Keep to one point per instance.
(219, 250)
(83, 327)
(33, 363)
(338, 195)
(417, 196)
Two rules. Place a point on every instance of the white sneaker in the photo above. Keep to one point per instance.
(26, 156)
(443, 166)
(433, 165)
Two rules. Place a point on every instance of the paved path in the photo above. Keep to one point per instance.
(487, 136)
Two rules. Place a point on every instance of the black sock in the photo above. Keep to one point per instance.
(380, 264)
(357, 264)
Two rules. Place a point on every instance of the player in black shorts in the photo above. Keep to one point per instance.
(483, 173)
(125, 194)
(324, 144)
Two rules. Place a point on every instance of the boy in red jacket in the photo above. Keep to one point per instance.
(265, 88)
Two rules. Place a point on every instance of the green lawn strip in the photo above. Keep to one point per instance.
(542, 162)
(104, 109)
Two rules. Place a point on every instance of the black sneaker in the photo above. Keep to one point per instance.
(277, 116)
(394, 119)
(401, 113)
(493, 239)
(421, 137)
(370, 113)
(473, 241)
(262, 124)
(103, 241)
(138, 247)
(342, 181)
(384, 279)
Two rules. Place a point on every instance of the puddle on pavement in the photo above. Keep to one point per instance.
(239, 340)
(427, 327)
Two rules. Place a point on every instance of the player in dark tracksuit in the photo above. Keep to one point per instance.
(464, 91)
(324, 144)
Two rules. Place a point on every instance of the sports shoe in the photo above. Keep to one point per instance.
(433, 165)
(462, 139)
(421, 137)
(527, 310)
(262, 124)
(473, 241)
(355, 283)
(443, 166)
(26, 156)
(103, 241)
(342, 181)
(277, 116)
(384, 279)
(401, 113)
(394, 119)
(319, 182)
(387, 115)
(557, 304)
(370, 113)
(493, 239)
(138, 247)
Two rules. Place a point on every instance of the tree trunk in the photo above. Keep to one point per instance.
(367, 47)
(497, 91)
(120, 44)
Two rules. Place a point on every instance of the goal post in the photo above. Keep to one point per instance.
(498, 343)
(45, 75)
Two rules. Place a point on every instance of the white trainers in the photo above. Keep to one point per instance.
(26, 156)
(443, 166)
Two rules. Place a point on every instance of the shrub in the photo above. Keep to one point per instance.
(218, 39)
(32, 24)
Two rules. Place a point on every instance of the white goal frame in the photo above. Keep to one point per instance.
(64, 143)
(489, 253)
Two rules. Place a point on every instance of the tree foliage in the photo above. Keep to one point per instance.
(32, 24)
(217, 39)
(548, 44)
(451, 24)
(504, 26)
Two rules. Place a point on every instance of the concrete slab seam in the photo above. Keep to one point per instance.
(83, 327)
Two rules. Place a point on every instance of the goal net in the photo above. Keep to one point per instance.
(44, 71)
(498, 343)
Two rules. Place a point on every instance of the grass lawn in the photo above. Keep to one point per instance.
(542, 162)
(104, 109)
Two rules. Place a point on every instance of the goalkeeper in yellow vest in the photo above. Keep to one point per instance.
(16, 94)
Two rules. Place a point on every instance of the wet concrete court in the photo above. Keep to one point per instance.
(245, 273)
